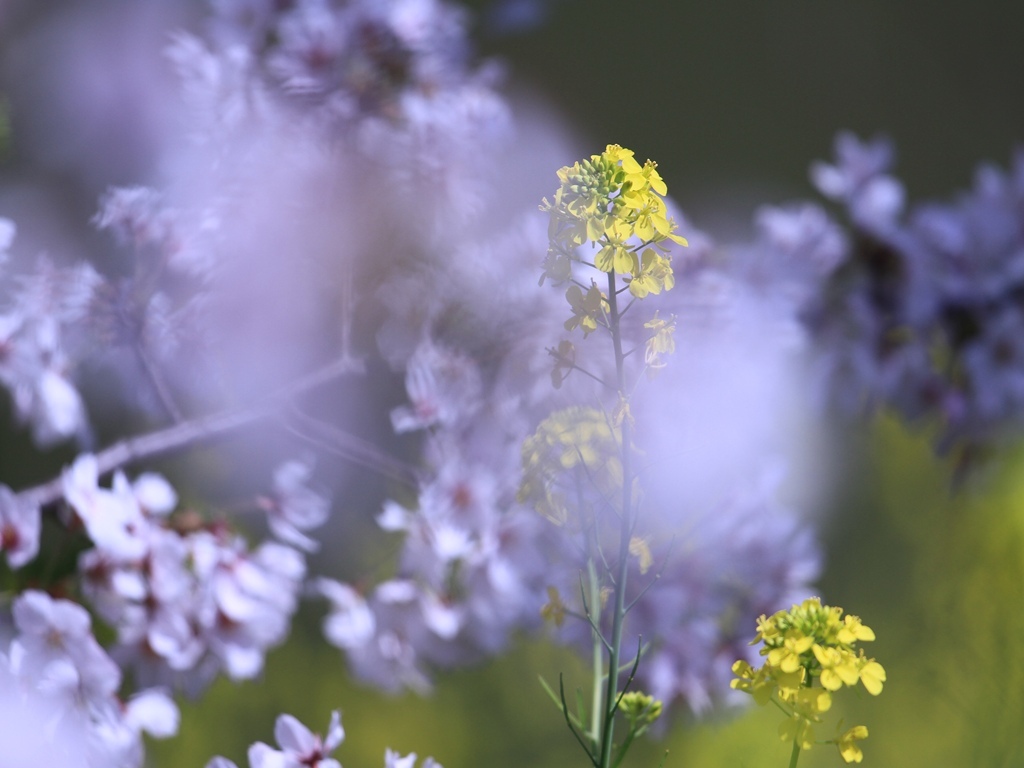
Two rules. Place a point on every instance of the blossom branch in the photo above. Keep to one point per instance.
(218, 425)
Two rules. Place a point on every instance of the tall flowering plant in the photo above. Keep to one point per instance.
(608, 221)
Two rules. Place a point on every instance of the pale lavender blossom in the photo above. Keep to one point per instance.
(52, 632)
(299, 746)
(137, 217)
(745, 556)
(294, 507)
(443, 386)
(20, 523)
(112, 517)
(390, 659)
(806, 243)
(923, 313)
(37, 334)
(860, 180)
(186, 605)
(472, 570)
(350, 623)
(218, 89)
(55, 657)
(249, 600)
(28, 738)
(241, 22)
(52, 406)
(307, 59)
(115, 737)
(393, 759)
(352, 60)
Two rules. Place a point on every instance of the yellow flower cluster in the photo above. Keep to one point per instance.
(567, 444)
(809, 654)
(614, 203)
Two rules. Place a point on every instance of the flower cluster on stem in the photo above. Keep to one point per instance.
(809, 655)
(579, 465)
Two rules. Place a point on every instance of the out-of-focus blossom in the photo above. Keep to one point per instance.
(136, 216)
(186, 604)
(393, 759)
(299, 746)
(55, 660)
(922, 313)
(443, 386)
(29, 738)
(37, 331)
(746, 557)
(294, 507)
(350, 623)
(859, 180)
(20, 523)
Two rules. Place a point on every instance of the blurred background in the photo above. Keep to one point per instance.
(734, 99)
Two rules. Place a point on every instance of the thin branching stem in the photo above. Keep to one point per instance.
(568, 722)
(657, 576)
(157, 383)
(598, 635)
(598, 379)
(194, 431)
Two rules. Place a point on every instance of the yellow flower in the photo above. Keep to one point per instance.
(808, 703)
(753, 681)
(609, 200)
(798, 730)
(872, 675)
(662, 342)
(838, 667)
(651, 275)
(554, 609)
(615, 254)
(649, 210)
(766, 630)
(852, 631)
(810, 641)
(654, 179)
(624, 157)
(587, 308)
(638, 548)
(788, 657)
(848, 746)
(565, 443)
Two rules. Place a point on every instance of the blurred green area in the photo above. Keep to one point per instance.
(937, 572)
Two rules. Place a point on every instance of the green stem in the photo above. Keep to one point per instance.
(795, 754)
(598, 657)
(625, 531)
